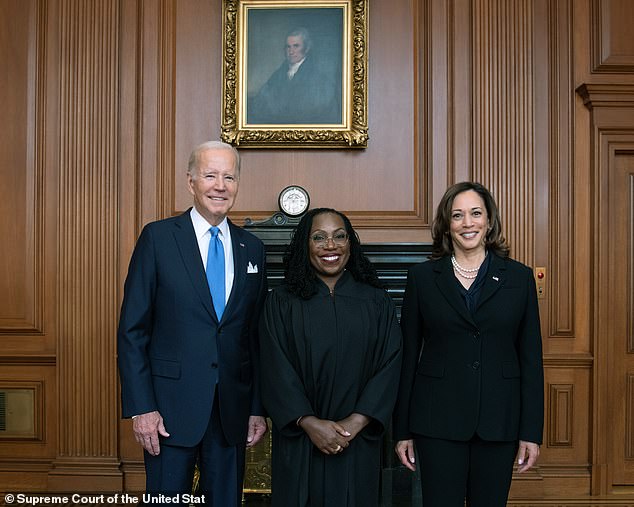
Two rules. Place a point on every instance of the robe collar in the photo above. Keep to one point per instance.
(343, 281)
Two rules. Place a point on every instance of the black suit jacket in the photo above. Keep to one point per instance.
(465, 374)
(172, 349)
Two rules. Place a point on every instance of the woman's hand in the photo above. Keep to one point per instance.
(405, 451)
(329, 437)
(354, 423)
(527, 455)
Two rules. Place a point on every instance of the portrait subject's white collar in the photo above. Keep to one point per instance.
(293, 68)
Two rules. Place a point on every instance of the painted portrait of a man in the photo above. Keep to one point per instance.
(295, 67)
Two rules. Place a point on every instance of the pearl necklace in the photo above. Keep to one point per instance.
(469, 274)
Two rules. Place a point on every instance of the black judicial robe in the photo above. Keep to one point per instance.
(329, 356)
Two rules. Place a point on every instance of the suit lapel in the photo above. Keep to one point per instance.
(188, 246)
(495, 279)
(446, 282)
(239, 267)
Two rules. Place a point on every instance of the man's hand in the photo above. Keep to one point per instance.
(257, 430)
(147, 428)
(329, 437)
(405, 451)
(526, 450)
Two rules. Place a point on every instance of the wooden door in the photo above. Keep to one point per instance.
(621, 321)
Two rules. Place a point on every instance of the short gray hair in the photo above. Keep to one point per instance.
(304, 34)
(194, 158)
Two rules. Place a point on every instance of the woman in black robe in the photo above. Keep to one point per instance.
(331, 356)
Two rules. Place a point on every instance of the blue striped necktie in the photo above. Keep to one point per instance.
(216, 271)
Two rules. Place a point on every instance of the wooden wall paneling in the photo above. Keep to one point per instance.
(461, 77)
(620, 168)
(26, 463)
(601, 480)
(503, 116)
(27, 225)
(421, 101)
(347, 179)
(21, 178)
(131, 215)
(563, 468)
(198, 83)
(157, 82)
(20, 283)
(148, 78)
(612, 42)
(581, 206)
(436, 24)
(612, 130)
(568, 383)
(166, 94)
(629, 418)
(560, 221)
(560, 411)
(87, 454)
(544, 28)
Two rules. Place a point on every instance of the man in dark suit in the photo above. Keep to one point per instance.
(187, 338)
(299, 91)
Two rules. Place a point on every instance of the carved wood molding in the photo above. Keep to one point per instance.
(88, 229)
(560, 414)
(27, 317)
(503, 120)
(166, 96)
(604, 35)
(607, 95)
(423, 160)
(629, 417)
(561, 303)
(359, 219)
(584, 361)
(611, 132)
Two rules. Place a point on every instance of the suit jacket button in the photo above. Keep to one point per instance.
(214, 365)
(475, 365)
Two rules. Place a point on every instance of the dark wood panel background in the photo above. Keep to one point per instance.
(103, 100)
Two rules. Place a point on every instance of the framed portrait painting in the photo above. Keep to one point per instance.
(295, 73)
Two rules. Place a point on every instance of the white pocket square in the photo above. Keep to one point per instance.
(251, 268)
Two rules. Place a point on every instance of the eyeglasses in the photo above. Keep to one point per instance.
(321, 240)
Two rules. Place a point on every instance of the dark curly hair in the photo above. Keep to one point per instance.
(442, 243)
(299, 274)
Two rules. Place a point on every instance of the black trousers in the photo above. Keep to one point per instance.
(476, 470)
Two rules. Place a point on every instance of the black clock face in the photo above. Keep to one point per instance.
(294, 200)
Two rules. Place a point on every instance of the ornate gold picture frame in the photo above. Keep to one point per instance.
(295, 73)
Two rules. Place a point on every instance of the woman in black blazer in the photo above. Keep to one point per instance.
(471, 392)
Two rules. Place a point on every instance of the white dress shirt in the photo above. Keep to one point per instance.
(293, 68)
(203, 235)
